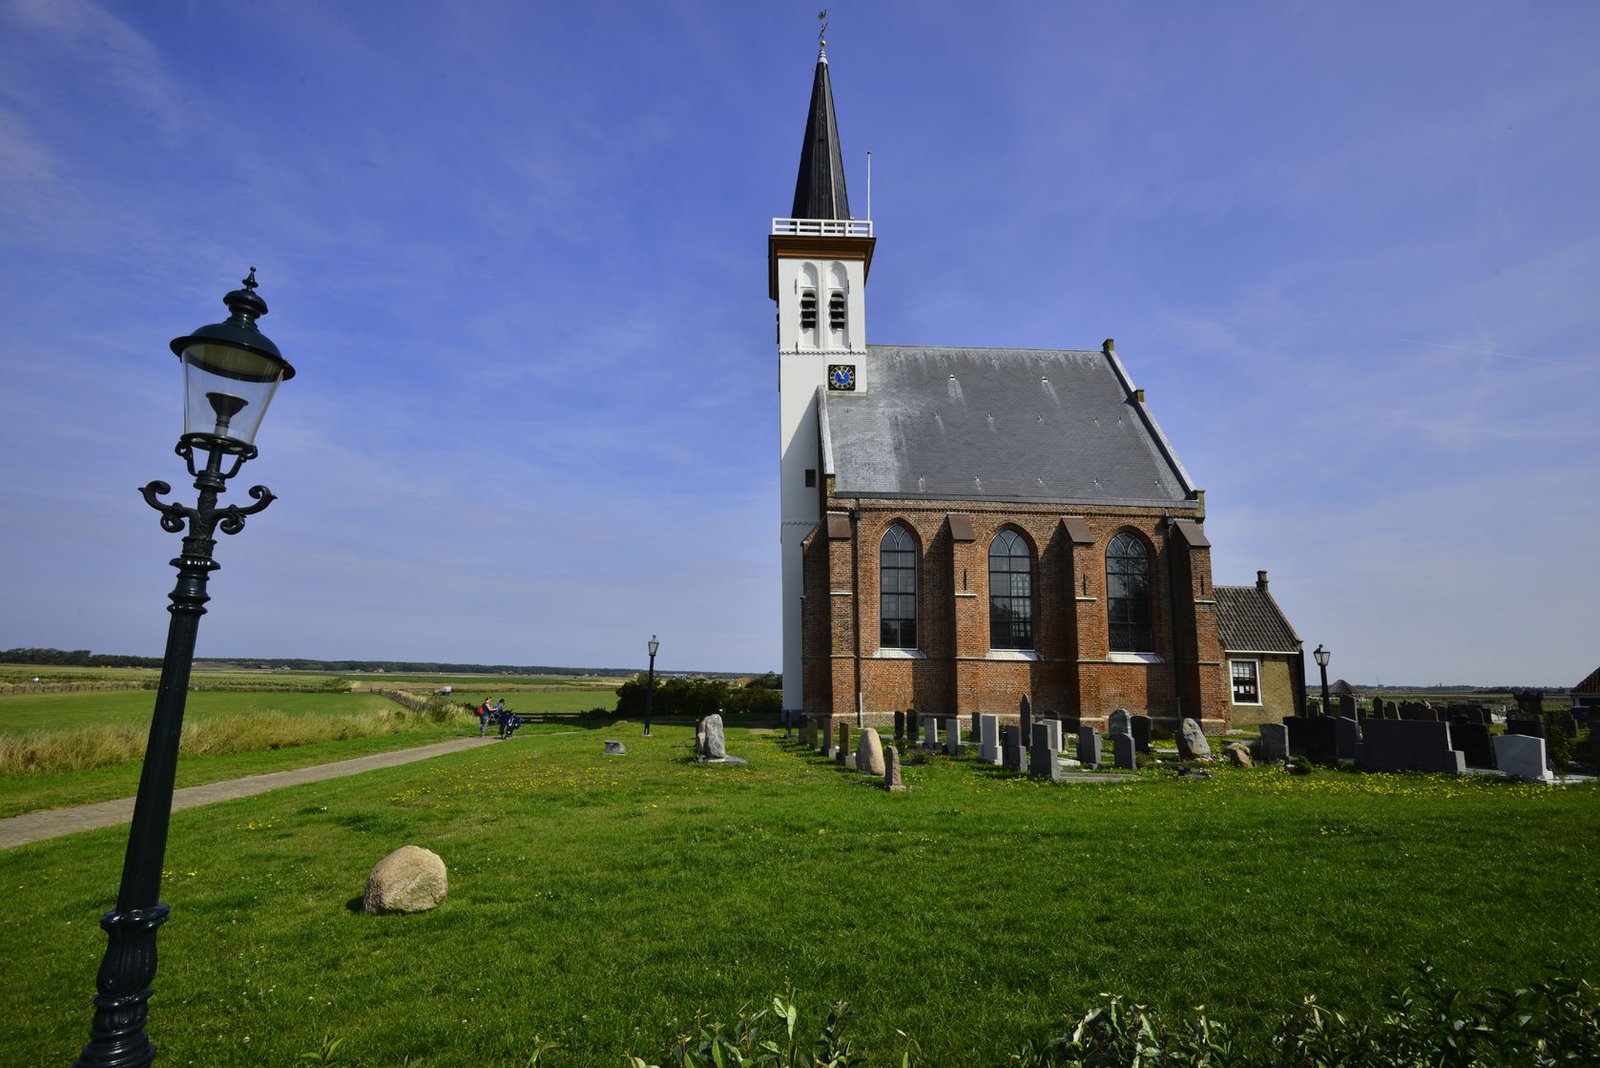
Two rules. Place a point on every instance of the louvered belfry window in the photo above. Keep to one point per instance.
(808, 309)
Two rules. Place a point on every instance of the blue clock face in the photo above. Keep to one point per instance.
(841, 376)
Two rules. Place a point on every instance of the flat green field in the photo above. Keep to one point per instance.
(602, 901)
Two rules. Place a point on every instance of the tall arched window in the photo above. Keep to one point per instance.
(1128, 595)
(1010, 592)
(897, 590)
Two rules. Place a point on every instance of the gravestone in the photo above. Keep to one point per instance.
(827, 737)
(974, 728)
(843, 755)
(952, 741)
(1522, 756)
(930, 734)
(715, 746)
(1313, 737)
(1273, 745)
(1025, 718)
(1010, 749)
(1473, 739)
(1042, 762)
(911, 724)
(891, 770)
(1053, 732)
(1532, 728)
(1120, 722)
(1192, 744)
(615, 748)
(1122, 754)
(899, 725)
(1088, 747)
(1347, 705)
(1410, 745)
(1530, 703)
(1347, 738)
(1377, 708)
(869, 752)
(989, 739)
(1141, 733)
(1390, 710)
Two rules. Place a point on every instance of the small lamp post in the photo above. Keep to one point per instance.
(230, 372)
(1322, 664)
(650, 684)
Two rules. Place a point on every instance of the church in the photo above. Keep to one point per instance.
(963, 527)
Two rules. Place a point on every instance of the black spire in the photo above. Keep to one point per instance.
(819, 189)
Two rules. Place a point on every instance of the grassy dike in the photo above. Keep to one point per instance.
(603, 901)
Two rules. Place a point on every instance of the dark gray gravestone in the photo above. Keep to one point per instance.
(911, 724)
(952, 739)
(930, 734)
(1410, 745)
(844, 743)
(1025, 718)
(1390, 711)
(1088, 747)
(827, 737)
(1122, 755)
(1473, 741)
(1042, 762)
(899, 725)
(1314, 738)
(1347, 705)
(1141, 733)
(1377, 708)
(1273, 748)
(1010, 750)
(891, 770)
(1347, 738)
(1533, 728)
(1120, 722)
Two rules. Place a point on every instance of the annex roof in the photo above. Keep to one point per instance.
(1250, 621)
(1590, 685)
(1039, 425)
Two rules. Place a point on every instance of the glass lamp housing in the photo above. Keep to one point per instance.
(653, 644)
(227, 389)
(1322, 656)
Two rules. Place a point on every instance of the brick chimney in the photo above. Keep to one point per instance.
(1261, 581)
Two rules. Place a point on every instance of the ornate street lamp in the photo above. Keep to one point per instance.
(230, 372)
(650, 685)
(1322, 662)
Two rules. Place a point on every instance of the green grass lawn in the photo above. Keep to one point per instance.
(602, 901)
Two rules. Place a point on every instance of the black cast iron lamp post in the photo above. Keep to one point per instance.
(230, 372)
(650, 684)
(1322, 662)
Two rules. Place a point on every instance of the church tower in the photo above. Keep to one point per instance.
(817, 262)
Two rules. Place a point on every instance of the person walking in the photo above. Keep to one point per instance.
(483, 716)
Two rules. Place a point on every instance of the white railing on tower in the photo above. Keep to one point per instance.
(823, 227)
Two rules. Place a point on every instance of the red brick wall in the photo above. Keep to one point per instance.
(954, 676)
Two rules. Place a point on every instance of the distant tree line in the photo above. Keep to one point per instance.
(75, 658)
(696, 698)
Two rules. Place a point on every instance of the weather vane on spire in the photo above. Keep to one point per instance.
(822, 31)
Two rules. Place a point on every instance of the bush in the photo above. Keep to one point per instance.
(697, 698)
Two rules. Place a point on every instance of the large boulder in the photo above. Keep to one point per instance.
(411, 879)
(1192, 743)
(715, 746)
(869, 753)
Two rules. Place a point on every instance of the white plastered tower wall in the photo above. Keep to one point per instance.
(805, 354)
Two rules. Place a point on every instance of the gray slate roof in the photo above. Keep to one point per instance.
(1249, 621)
(1035, 425)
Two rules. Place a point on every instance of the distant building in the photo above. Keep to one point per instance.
(1586, 695)
(1266, 661)
(965, 526)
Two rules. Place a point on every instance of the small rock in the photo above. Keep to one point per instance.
(615, 748)
(1239, 755)
(411, 879)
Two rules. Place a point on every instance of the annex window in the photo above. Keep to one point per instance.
(897, 590)
(1246, 681)
(1128, 595)
(1010, 592)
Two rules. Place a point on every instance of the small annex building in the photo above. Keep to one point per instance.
(963, 527)
(1266, 659)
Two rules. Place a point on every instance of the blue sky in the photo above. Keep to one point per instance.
(517, 253)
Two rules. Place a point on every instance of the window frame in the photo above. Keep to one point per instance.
(900, 569)
(1013, 621)
(1124, 628)
(1233, 680)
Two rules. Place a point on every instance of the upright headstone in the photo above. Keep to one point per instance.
(1120, 722)
(952, 740)
(843, 754)
(1053, 733)
(1122, 754)
(989, 739)
(930, 733)
(1533, 728)
(869, 753)
(899, 725)
(1025, 717)
(1474, 741)
(1042, 762)
(827, 737)
(1522, 756)
(891, 770)
(1010, 749)
(973, 729)
(911, 724)
(1347, 738)
(1390, 710)
(1088, 747)
(1409, 745)
(1192, 744)
(1273, 745)
(1377, 708)
(1313, 737)
(716, 747)
(1141, 732)
(1347, 705)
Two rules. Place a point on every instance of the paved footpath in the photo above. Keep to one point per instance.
(55, 822)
